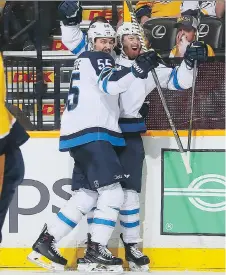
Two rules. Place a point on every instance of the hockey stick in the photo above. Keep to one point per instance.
(155, 77)
(195, 70)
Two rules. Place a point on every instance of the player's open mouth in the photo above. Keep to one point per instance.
(134, 48)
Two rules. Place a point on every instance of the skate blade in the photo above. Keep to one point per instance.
(95, 267)
(138, 268)
(34, 257)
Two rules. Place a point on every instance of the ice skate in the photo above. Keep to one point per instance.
(81, 262)
(99, 259)
(45, 246)
(137, 261)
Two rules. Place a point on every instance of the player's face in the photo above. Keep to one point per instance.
(131, 46)
(188, 33)
(104, 44)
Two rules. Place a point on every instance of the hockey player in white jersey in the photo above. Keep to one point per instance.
(132, 124)
(90, 131)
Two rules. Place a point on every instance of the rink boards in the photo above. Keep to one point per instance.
(183, 216)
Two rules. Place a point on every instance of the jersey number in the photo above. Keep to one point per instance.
(72, 100)
(103, 63)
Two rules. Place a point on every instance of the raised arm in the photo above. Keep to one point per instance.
(182, 77)
(72, 37)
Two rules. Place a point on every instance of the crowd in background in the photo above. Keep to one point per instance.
(16, 15)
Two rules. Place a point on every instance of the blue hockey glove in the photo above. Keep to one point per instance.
(195, 51)
(144, 63)
(71, 12)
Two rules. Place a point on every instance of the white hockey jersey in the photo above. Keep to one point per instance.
(132, 100)
(92, 110)
(74, 39)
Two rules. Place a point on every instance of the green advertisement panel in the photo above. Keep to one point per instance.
(195, 203)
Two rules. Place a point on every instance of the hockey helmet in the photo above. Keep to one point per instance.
(100, 30)
(126, 28)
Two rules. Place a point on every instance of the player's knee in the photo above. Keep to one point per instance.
(80, 204)
(131, 200)
(85, 200)
(81, 201)
(110, 196)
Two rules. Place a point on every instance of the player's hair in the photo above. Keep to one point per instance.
(98, 19)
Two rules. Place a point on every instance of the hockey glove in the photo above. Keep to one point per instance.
(144, 109)
(144, 63)
(195, 51)
(70, 12)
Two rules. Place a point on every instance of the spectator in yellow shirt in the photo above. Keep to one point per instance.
(151, 9)
(147, 9)
(12, 136)
(186, 31)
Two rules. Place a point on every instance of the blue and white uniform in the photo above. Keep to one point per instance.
(92, 110)
(179, 78)
(131, 101)
(90, 131)
(132, 124)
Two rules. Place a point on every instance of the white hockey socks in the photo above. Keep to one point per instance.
(90, 216)
(69, 216)
(109, 203)
(130, 218)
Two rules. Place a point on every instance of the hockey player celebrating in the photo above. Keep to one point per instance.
(132, 124)
(90, 131)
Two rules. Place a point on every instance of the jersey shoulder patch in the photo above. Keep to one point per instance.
(99, 60)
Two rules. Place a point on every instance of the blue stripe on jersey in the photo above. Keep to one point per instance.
(129, 212)
(90, 220)
(114, 77)
(111, 76)
(104, 222)
(133, 127)
(66, 220)
(175, 79)
(130, 224)
(105, 83)
(80, 46)
(65, 145)
(106, 71)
